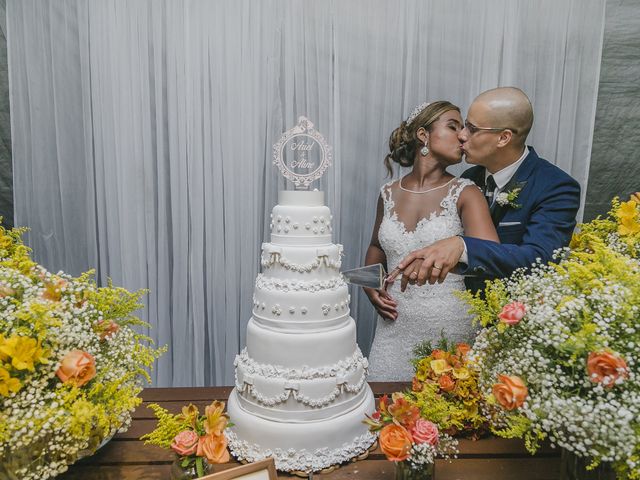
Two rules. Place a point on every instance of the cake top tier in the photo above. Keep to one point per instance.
(301, 198)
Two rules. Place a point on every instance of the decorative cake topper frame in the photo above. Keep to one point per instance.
(304, 129)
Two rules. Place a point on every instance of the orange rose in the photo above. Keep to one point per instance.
(511, 392)
(213, 448)
(416, 385)
(77, 368)
(53, 289)
(395, 442)
(462, 349)
(446, 383)
(107, 330)
(438, 354)
(605, 367)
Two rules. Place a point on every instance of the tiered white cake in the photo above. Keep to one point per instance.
(301, 392)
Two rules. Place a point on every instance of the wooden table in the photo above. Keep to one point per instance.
(127, 458)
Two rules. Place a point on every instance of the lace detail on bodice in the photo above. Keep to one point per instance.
(424, 312)
(397, 242)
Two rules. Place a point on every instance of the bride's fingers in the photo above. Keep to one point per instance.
(408, 275)
(424, 272)
(387, 314)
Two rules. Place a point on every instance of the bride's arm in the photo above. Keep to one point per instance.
(475, 215)
(381, 300)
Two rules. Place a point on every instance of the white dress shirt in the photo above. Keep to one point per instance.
(501, 177)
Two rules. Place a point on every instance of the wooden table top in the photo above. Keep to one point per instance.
(125, 457)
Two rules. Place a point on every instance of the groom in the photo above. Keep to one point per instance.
(533, 203)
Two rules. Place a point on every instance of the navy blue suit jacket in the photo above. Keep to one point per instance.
(549, 201)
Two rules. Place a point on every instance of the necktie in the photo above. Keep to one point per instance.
(489, 189)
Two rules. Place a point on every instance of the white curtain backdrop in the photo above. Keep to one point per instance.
(142, 131)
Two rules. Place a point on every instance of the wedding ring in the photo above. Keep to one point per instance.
(437, 267)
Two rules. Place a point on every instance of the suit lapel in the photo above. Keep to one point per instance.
(518, 180)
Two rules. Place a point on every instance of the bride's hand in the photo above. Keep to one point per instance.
(431, 263)
(383, 303)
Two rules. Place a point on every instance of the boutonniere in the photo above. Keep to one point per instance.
(508, 198)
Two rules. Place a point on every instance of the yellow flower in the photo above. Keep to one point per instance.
(461, 373)
(422, 372)
(216, 421)
(7, 383)
(190, 414)
(628, 209)
(628, 226)
(24, 352)
(440, 366)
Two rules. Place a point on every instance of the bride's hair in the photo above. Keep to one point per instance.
(403, 142)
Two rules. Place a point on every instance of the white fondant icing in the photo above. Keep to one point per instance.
(301, 391)
(308, 446)
(314, 349)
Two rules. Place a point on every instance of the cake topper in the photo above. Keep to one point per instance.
(302, 154)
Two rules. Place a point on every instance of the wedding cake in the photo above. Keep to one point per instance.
(301, 392)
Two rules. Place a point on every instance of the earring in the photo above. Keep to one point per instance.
(424, 151)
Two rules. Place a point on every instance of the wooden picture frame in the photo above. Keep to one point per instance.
(262, 470)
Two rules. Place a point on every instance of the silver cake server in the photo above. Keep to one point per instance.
(372, 276)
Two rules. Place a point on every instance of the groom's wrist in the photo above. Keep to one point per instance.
(464, 257)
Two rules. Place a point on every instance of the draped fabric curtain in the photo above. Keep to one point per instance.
(142, 131)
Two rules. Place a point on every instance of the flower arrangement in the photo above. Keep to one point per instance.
(560, 353)
(192, 436)
(405, 436)
(445, 389)
(70, 363)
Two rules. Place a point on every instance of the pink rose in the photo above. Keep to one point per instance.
(425, 431)
(185, 443)
(512, 313)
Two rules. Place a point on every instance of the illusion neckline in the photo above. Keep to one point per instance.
(424, 191)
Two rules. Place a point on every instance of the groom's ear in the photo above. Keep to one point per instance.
(505, 138)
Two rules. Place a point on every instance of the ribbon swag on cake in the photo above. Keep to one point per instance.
(301, 389)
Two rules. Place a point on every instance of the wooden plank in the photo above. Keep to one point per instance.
(185, 394)
(499, 469)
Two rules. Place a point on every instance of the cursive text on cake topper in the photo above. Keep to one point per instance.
(301, 140)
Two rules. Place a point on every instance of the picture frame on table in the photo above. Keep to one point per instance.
(262, 470)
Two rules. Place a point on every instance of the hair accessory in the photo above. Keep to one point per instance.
(416, 111)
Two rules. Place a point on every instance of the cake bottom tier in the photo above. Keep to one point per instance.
(307, 447)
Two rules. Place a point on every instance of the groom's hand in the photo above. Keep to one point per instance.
(432, 263)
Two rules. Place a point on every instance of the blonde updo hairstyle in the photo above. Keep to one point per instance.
(404, 143)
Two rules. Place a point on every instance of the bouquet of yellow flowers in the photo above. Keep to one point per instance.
(197, 439)
(445, 389)
(70, 363)
(559, 355)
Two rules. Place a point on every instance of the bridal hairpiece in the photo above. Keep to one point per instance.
(416, 112)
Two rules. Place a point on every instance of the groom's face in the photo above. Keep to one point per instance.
(478, 146)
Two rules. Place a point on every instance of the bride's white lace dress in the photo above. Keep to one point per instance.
(424, 312)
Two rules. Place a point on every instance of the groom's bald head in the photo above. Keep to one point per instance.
(508, 107)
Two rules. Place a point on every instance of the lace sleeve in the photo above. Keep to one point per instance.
(450, 202)
(385, 193)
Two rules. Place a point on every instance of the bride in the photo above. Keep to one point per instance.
(426, 205)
